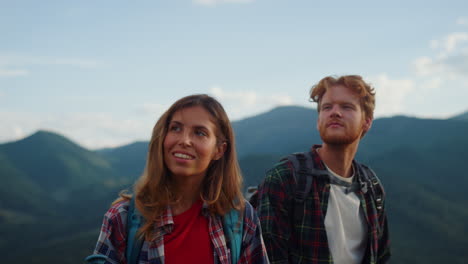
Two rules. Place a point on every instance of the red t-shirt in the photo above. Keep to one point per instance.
(190, 240)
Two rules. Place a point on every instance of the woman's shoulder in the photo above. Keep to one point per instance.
(248, 209)
(250, 215)
(118, 209)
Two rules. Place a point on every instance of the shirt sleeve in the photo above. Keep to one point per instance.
(253, 248)
(112, 238)
(273, 203)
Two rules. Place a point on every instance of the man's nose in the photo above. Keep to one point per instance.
(335, 111)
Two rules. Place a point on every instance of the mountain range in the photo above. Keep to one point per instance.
(54, 192)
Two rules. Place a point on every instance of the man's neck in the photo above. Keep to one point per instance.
(339, 158)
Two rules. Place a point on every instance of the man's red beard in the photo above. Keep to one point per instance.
(344, 137)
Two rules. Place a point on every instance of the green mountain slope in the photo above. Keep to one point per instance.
(51, 187)
(128, 160)
(55, 163)
(462, 116)
(282, 130)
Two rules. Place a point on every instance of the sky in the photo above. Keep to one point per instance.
(102, 72)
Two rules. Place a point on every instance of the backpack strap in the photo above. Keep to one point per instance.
(134, 242)
(96, 259)
(372, 183)
(233, 224)
(304, 173)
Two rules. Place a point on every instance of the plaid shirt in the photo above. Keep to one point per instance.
(112, 239)
(288, 241)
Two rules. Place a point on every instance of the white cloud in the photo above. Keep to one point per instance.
(240, 104)
(451, 42)
(244, 98)
(390, 94)
(13, 65)
(75, 62)
(462, 21)
(13, 73)
(215, 2)
(90, 130)
(434, 83)
(450, 60)
(250, 98)
(94, 130)
(425, 66)
(151, 109)
(441, 78)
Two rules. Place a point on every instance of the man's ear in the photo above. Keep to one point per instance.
(317, 123)
(367, 124)
(220, 149)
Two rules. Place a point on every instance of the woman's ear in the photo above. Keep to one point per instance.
(219, 152)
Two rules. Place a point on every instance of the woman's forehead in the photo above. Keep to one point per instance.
(194, 116)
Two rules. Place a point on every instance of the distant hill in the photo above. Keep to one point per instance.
(51, 186)
(463, 116)
(50, 163)
(128, 160)
(56, 192)
(282, 130)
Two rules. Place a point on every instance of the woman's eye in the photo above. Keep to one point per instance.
(174, 128)
(200, 133)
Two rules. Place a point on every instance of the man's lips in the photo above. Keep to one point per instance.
(334, 124)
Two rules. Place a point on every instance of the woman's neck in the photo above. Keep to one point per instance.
(188, 192)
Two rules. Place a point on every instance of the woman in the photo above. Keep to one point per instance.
(191, 180)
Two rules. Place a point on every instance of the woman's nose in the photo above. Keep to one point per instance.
(185, 139)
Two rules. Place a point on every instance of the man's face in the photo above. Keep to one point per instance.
(341, 120)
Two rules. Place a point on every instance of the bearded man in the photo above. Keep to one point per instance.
(322, 206)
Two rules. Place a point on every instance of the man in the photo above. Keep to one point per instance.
(341, 216)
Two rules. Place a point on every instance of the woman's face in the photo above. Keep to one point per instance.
(190, 143)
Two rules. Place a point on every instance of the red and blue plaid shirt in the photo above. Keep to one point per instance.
(112, 239)
(291, 241)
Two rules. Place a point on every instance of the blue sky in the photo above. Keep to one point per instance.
(101, 72)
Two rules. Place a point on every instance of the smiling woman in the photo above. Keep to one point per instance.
(191, 144)
(190, 184)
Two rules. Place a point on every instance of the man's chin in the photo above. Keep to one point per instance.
(337, 140)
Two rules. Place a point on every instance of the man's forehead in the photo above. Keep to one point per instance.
(340, 93)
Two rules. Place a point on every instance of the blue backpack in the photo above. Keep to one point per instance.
(232, 225)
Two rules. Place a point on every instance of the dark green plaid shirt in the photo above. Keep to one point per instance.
(290, 241)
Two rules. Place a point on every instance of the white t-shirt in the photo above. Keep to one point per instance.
(345, 224)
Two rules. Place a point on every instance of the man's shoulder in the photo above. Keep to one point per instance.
(366, 170)
(277, 178)
(370, 176)
(280, 171)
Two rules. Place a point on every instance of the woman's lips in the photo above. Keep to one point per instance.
(182, 155)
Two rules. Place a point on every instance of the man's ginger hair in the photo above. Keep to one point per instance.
(364, 90)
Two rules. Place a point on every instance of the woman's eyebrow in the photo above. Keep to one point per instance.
(176, 122)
